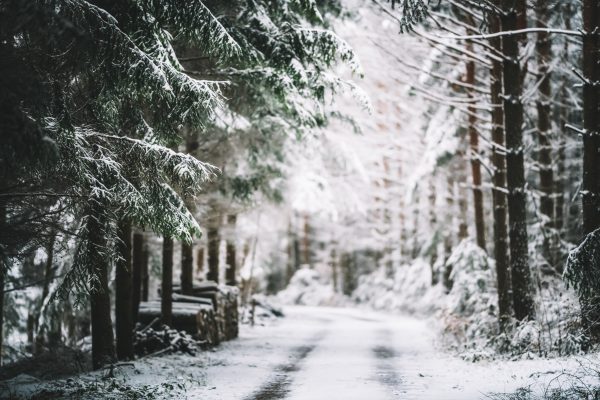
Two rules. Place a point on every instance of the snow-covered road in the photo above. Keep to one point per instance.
(334, 353)
(321, 353)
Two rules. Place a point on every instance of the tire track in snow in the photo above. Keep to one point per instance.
(278, 386)
(386, 372)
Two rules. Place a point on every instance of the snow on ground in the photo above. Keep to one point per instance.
(341, 353)
(334, 353)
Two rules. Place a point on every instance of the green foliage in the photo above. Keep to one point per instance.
(97, 101)
(583, 265)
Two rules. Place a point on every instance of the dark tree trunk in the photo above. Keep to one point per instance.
(3, 271)
(543, 50)
(306, 242)
(214, 240)
(291, 262)
(103, 347)
(166, 291)
(230, 273)
(187, 268)
(136, 274)
(145, 272)
(123, 294)
(433, 224)
(475, 165)
(404, 245)
(39, 339)
(590, 190)
(450, 215)
(297, 258)
(200, 260)
(415, 247)
(461, 193)
(591, 117)
(517, 199)
(505, 308)
(334, 267)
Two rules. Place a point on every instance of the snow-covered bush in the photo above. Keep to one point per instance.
(470, 313)
(308, 288)
(409, 290)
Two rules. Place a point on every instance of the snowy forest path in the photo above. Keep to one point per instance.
(320, 353)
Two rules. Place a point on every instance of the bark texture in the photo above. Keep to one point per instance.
(499, 180)
(166, 304)
(515, 169)
(123, 294)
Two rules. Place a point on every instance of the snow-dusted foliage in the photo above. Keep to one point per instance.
(308, 288)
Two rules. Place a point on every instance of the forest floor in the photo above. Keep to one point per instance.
(313, 353)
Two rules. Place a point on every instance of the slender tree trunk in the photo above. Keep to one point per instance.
(230, 259)
(517, 199)
(3, 272)
(463, 226)
(334, 267)
(306, 242)
(543, 50)
(136, 274)
(123, 293)
(590, 190)
(39, 339)
(187, 268)
(450, 215)
(475, 165)
(591, 117)
(200, 260)
(166, 304)
(103, 347)
(291, 262)
(145, 272)
(499, 200)
(213, 254)
(433, 224)
(415, 248)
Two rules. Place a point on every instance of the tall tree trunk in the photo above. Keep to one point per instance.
(187, 268)
(475, 165)
(505, 308)
(334, 267)
(590, 190)
(230, 252)
(103, 347)
(591, 117)
(415, 246)
(3, 272)
(166, 291)
(461, 193)
(200, 260)
(136, 274)
(39, 340)
(517, 199)
(291, 262)
(306, 242)
(433, 224)
(145, 272)
(123, 293)
(543, 50)
(214, 240)
(449, 218)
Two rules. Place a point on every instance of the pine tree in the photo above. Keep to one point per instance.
(515, 169)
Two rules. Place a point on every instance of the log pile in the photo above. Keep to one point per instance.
(209, 314)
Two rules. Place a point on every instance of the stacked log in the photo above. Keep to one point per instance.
(209, 313)
(196, 318)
